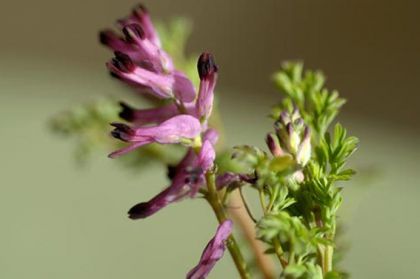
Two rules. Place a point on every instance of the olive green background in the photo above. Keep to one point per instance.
(59, 220)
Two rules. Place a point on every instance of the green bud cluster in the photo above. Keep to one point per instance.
(294, 137)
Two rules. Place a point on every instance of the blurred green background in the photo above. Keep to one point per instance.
(60, 220)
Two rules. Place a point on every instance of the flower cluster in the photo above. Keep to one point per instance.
(141, 62)
(292, 137)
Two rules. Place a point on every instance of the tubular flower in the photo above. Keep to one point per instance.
(157, 115)
(207, 70)
(163, 86)
(141, 62)
(213, 252)
(187, 178)
(178, 129)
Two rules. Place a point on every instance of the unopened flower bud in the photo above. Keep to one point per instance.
(206, 65)
(304, 153)
(274, 145)
(294, 139)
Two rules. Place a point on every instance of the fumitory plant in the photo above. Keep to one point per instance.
(295, 180)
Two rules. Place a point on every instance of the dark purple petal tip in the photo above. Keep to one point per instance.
(133, 31)
(206, 65)
(171, 171)
(123, 62)
(104, 37)
(139, 211)
(140, 10)
(121, 131)
(127, 112)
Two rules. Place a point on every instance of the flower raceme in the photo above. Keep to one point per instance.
(213, 252)
(141, 62)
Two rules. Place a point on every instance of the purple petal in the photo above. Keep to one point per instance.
(160, 85)
(183, 88)
(206, 156)
(147, 50)
(213, 252)
(172, 130)
(211, 135)
(171, 194)
(134, 47)
(127, 149)
(141, 16)
(110, 39)
(203, 162)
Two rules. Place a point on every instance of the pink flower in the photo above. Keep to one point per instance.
(160, 85)
(187, 179)
(179, 129)
(213, 252)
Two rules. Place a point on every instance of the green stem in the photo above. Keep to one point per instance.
(279, 253)
(214, 201)
(276, 243)
(326, 253)
(248, 210)
(327, 259)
